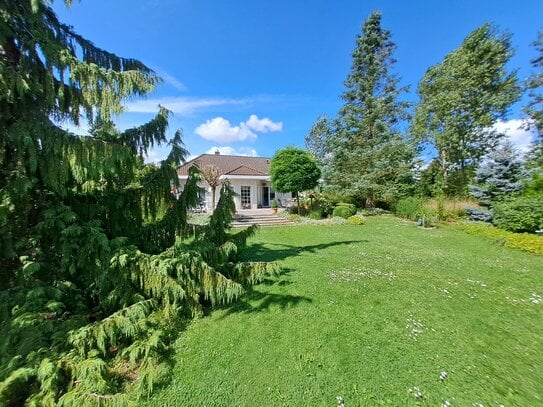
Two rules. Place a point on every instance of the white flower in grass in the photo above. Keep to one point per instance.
(443, 375)
(340, 402)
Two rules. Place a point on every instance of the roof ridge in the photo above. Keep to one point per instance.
(246, 166)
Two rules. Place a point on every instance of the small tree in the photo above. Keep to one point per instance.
(294, 170)
(212, 174)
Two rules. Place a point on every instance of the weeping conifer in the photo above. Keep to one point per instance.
(96, 278)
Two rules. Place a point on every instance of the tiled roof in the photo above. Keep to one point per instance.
(230, 164)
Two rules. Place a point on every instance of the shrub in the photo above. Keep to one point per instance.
(356, 220)
(479, 214)
(301, 211)
(315, 214)
(409, 208)
(274, 203)
(294, 217)
(344, 210)
(520, 214)
(523, 241)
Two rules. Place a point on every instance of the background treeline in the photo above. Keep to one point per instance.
(370, 152)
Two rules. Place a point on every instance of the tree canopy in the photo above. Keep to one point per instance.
(95, 276)
(463, 97)
(294, 170)
(370, 158)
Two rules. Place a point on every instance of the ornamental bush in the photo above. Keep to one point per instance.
(344, 210)
(520, 214)
(356, 220)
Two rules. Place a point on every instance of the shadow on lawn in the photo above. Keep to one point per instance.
(254, 301)
(280, 251)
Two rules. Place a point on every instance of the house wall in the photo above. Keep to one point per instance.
(237, 183)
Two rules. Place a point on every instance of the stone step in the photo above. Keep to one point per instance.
(261, 219)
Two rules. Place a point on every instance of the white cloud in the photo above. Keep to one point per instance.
(517, 133)
(181, 105)
(225, 150)
(221, 130)
(156, 155)
(171, 80)
(264, 125)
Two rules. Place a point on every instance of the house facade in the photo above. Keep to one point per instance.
(249, 177)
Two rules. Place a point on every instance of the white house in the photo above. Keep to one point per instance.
(249, 176)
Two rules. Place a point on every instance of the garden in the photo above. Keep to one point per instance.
(386, 313)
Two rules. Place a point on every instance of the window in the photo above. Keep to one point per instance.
(245, 197)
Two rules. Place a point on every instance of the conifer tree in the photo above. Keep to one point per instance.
(95, 279)
(370, 158)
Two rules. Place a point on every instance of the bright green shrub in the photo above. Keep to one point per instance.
(523, 241)
(409, 208)
(356, 220)
(294, 217)
(344, 210)
(520, 214)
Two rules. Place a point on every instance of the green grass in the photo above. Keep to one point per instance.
(368, 313)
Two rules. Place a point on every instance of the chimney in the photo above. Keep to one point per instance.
(217, 152)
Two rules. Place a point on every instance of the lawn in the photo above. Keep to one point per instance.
(380, 314)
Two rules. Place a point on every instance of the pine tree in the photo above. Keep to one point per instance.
(95, 278)
(370, 157)
(462, 97)
(499, 175)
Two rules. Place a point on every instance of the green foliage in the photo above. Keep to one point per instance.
(96, 279)
(294, 170)
(356, 220)
(535, 84)
(370, 158)
(318, 141)
(274, 203)
(344, 210)
(462, 97)
(409, 208)
(519, 214)
(315, 214)
(523, 241)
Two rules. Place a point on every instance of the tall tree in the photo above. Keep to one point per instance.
(93, 281)
(212, 175)
(463, 97)
(294, 170)
(318, 139)
(370, 157)
(534, 109)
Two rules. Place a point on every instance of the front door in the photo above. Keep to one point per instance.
(265, 197)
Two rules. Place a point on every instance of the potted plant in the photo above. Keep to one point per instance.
(274, 205)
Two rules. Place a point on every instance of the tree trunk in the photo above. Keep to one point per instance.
(213, 199)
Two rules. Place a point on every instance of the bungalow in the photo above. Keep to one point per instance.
(249, 176)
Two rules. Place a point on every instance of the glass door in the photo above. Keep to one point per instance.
(245, 197)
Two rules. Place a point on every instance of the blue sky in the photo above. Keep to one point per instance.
(251, 77)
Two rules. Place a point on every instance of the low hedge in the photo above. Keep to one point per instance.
(523, 241)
